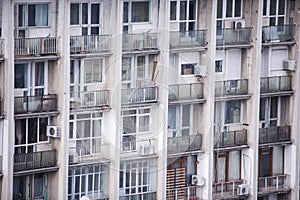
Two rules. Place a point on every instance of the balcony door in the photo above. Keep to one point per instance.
(180, 120)
(274, 12)
(269, 112)
(271, 161)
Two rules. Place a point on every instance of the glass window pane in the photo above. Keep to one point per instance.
(186, 115)
(74, 14)
(141, 73)
(126, 69)
(192, 10)
(95, 14)
(238, 8)
(262, 109)
(281, 7)
(273, 7)
(173, 9)
(172, 118)
(38, 185)
(129, 124)
(187, 69)
(220, 9)
(229, 8)
(140, 12)
(234, 165)
(95, 30)
(43, 122)
(83, 129)
(144, 123)
(125, 12)
(233, 112)
(265, 7)
(273, 111)
(183, 8)
(31, 15)
(182, 26)
(221, 169)
(97, 128)
(39, 74)
(21, 16)
(32, 130)
(84, 13)
(20, 131)
(21, 75)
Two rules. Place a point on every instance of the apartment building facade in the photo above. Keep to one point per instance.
(149, 99)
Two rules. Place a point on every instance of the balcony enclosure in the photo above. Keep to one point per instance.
(275, 84)
(34, 160)
(32, 104)
(139, 41)
(189, 192)
(233, 36)
(89, 99)
(230, 139)
(185, 92)
(275, 134)
(90, 43)
(133, 146)
(144, 195)
(36, 46)
(273, 183)
(226, 190)
(139, 95)
(231, 87)
(188, 39)
(184, 144)
(282, 33)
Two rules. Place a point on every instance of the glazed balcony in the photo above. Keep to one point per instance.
(184, 144)
(276, 84)
(231, 88)
(139, 41)
(35, 160)
(233, 36)
(90, 44)
(188, 39)
(275, 134)
(226, 190)
(144, 196)
(90, 99)
(189, 192)
(279, 183)
(133, 147)
(231, 139)
(139, 95)
(282, 33)
(34, 104)
(36, 46)
(186, 92)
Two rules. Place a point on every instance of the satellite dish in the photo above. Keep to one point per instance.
(85, 198)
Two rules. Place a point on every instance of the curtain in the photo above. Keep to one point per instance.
(41, 15)
(277, 160)
(234, 165)
(221, 169)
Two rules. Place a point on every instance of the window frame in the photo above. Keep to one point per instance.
(225, 113)
(129, 12)
(25, 16)
(276, 15)
(267, 121)
(177, 132)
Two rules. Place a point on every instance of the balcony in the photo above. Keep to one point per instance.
(1, 163)
(1, 107)
(33, 104)
(36, 46)
(1, 47)
(275, 34)
(231, 88)
(144, 196)
(90, 43)
(139, 42)
(233, 36)
(275, 134)
(188, 39)
(186, 92)
(90, 99)
(189, 192)
(35, 160)
(279, 183)
(230, 139)
(133, 147)
(277, 84)
(139, 95)
(184, 144)
(226, 190)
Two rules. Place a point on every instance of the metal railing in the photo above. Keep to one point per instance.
(180, 39)
(184, 92)
(281, 33)
(35, 160)
(274, 134)
(139, 95)
(89, 99)
(36, 46)
(90, 43)
(142, 147)
(1, 47)
(142, 196)
(231, 139)
(275, 84)
(88, 153)
(139, 41)
(184, 143)
(233, 36)
(28, 104)
(273, 183)
(189, 192)
(226, 189)
(231, 87)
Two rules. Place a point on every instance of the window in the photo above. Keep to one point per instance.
(187, 69)
(183, 12)
(233, 111)
(219, 66)
(136, 11)
(179, 120)
(275, 11)
(269, 111)
(37, 15)
(271, 161)
(229, 9)
(88, 16)
(29, 132)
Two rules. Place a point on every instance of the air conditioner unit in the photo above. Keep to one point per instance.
(239, 24)
(53, 131)
(289, 65)
(243, 189)
(146, 150)
(73, 158)
(197, 180)
(201, 71)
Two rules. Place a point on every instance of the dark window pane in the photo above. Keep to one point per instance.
(84, 31)
(238, 8)
(272, 21)
(233, 112)
(265, 7)
(20, 75)
(265, 165)
(191, 26)
(74, 14)
(280, 21)
(125, 12)
(182, 26)
(229, 8)
(262, 108)
(31, 15)
(32, 130)
(183, 8)
(281, 7)
(187, 69)
(38, 185)
(95, 14)
(140, 12)
(84, 13)
(173, 10)
(220, 9)
(273, 7)
(42, 129)
(218, 66)
(192, 10)
(21, 16)
(20, 131)
(273, 111)
(95, 31)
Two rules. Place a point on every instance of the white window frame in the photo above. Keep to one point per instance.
(241, 113)
(266, 122)
(188, 75)
(130, 11)
(233, 10)
(25, 15)
(277, 15)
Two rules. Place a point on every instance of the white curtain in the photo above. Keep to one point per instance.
(277, 160)
(41, 14)
(234, 165)
(221, 169)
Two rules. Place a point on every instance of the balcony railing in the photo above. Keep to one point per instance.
(233, 36)
(139, 41)
(184, 143)
(185, 92)
(90, 43)
(28, 104)
(182, 193)
(88, 153)
(231, 139)
(231, 87)
(1, 47)
(143, 196)
(187, 39)
(36, 46)
(139, 95)
(226, 189)
(141, 147)
(275, 84)
(273, 183)
(278, 33)
(89, 99)
(275, 134)
(35, 160)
